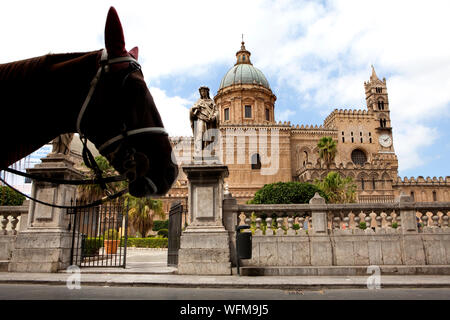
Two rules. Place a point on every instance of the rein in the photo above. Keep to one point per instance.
(86, 153)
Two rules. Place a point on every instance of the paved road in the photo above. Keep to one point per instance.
(48, 292)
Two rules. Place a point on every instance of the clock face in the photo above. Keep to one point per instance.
(385, 140)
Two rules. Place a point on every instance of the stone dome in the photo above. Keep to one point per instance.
(243, 72)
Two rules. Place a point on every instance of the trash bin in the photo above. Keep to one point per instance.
(243, 244)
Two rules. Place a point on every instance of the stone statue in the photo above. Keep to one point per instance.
(204, 115)
(61, 144)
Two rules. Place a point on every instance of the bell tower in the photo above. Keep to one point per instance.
(377, 99)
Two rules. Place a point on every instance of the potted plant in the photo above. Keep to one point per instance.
(111, 241)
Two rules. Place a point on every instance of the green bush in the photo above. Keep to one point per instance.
(296, 226)
(362, 225)
(163, 232)
(394, 225)
(160, 224)
(92, 246)
(9, 197)
(148, 242)
(286, 193)
(111, 234)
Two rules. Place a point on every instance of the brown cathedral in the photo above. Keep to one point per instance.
(365, 148)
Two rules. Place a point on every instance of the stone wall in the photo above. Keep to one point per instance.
(403, 233)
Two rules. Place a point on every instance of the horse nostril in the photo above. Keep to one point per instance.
(131, 175)
(129, 164)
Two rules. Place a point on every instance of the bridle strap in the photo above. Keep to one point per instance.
(154, 130)
(92, 204)
(63, 181)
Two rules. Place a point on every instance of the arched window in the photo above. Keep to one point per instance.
(434, 196)
(359, 157)
(256, 162)
(248, 111)
(226, 112)
(412, 196)
(305, 154)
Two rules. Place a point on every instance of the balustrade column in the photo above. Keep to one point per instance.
(14, 222)
(356, 220)
(4, 223)
(258, 230)
(337, 221)
(269, 230)
(280, 230)
(291, 231)
(379, 218)
(389, 219)
(301, 222)
(445, 219)
(435, 219)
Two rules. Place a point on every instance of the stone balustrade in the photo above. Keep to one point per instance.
(292, 219)
(10, 218)
(358, 234)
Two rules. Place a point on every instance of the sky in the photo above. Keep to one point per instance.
(316, 56)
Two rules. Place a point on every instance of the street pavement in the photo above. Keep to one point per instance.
(148, 268)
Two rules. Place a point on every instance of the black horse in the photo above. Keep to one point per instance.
(101, 95)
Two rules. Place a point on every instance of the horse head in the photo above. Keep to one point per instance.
(123, 121)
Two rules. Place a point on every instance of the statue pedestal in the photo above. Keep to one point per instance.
(44, 244)
(204, 247)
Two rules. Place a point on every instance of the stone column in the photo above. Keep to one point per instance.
(230, 221)
(204, 245)
(413, 248)
(44, 244)
(321, 251)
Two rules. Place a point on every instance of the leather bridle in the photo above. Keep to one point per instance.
(88, 158)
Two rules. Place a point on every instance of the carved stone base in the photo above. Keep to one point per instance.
(41, 251)
(204, 253)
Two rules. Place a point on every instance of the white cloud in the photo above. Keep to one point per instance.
(409, 154)
(174, 112)
(284, 115)
(322, 50)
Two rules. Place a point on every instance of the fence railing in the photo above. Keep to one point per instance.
(376, 199)
(292, 219)
(10, 218)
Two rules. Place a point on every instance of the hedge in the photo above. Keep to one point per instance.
(9, 197)
(163, 232)
(160, 224)
(92, 246)
(148, 242)
(286, 193)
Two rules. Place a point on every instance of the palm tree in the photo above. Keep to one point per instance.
(141, 211)
(94, 191)
(327, 149)
(338, 189)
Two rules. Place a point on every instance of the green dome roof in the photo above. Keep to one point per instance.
(244, 72)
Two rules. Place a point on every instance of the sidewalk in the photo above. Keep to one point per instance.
(149, 268)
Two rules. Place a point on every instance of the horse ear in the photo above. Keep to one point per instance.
(134, 52)
(114, 39)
